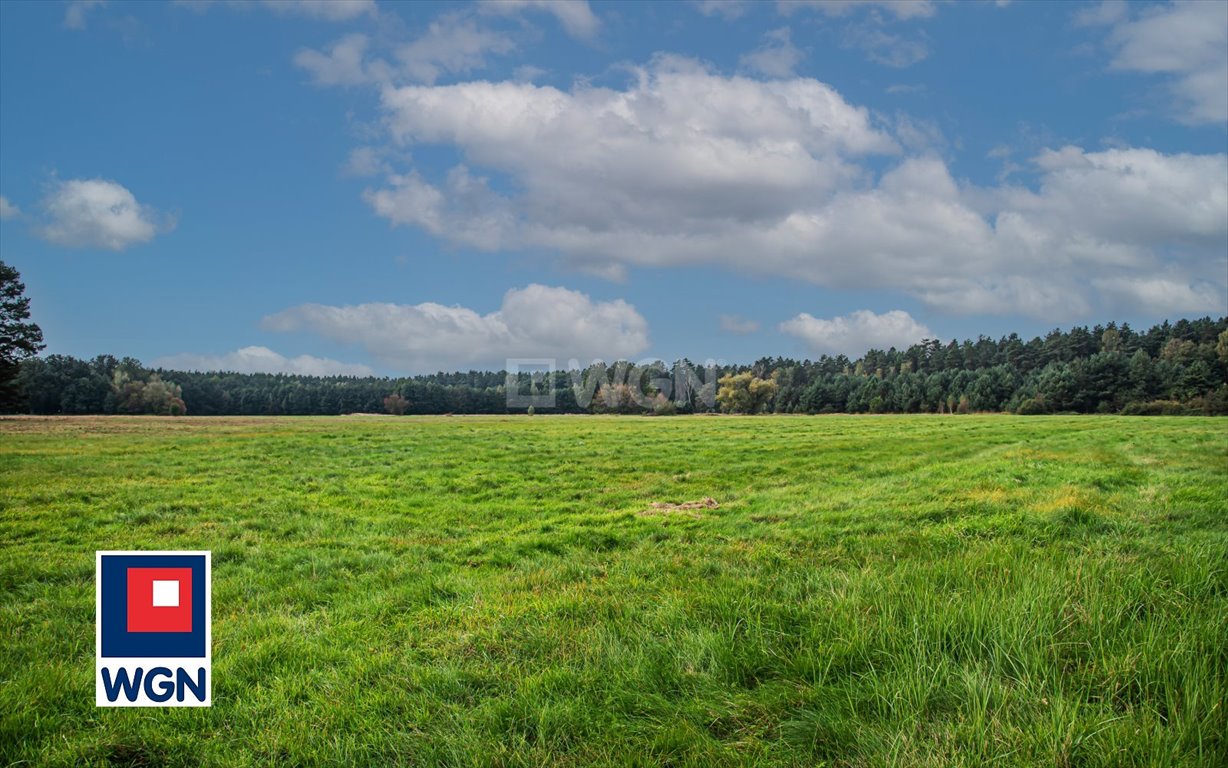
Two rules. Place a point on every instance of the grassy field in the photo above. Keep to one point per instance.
(871, 591)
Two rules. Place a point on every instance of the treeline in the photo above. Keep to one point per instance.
(1175, 368)
(104, 385)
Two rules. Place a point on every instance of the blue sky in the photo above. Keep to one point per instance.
(360, 186)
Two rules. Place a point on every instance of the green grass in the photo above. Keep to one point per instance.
(872, 591)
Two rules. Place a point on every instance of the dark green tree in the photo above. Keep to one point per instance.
(19, 338)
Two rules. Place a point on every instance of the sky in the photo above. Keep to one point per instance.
(359, 186)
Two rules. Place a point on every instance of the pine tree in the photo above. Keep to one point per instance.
(19, 338)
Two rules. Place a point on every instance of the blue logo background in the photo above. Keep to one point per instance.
(117, 641)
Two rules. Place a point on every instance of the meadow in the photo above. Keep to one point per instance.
(502, 591)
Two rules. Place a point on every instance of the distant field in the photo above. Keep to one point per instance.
(871, 591)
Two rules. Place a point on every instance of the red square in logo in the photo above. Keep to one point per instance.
(159, 599)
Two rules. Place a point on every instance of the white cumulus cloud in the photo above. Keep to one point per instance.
(856, 332)
(7, 209)
(1186, 42)
(1115, 206)
(536, 321)
(257, 359)
(685, 166)
(98, 213)
(632, 174)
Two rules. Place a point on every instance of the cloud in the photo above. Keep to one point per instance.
(728, 10)
(1159, 296)
(900, 9)
(452, 44)
(364, 161)
(683, 166)
(341, 65)
(738, 325)
(1125, 201)
(1187, 42)
(78, 10)
(321, 10)
(262, 360)
(883, 47)
(527, 73)
(325, 10)
(602, 169)
(865, 30)
(1005, 294)
(857, 332)
(1108, 12)
(535, 321)
(920, 136)
(7, 209)
(97, 213)
(575, 15)
(465, 210)
(777, 57)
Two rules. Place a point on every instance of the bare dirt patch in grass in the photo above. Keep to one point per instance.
(688, 508)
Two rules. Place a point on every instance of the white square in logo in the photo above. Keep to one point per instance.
(166, 594)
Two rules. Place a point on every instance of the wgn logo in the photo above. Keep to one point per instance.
(154, 629)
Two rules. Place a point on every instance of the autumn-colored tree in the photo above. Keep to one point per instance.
(152, 396)
(744, 393)
(615, 398)
(396, 404)
(1178, 350)
(1110, 340)
(663, 406)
